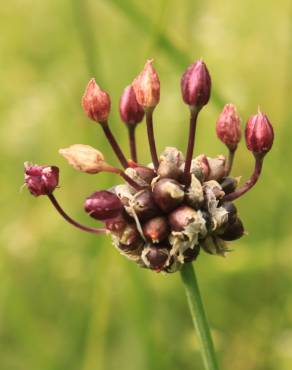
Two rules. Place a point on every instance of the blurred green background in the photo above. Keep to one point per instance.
(68, 300)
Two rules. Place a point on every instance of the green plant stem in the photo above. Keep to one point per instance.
(199, 317)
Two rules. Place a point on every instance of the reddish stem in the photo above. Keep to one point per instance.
(130, 181)
(151, 139)
(249, 183)
(71, 221)
(132, 141)
(192, 133)
(114, 144)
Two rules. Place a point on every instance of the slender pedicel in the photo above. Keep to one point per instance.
(249, 184)
(132, 142)
(192, 133)
(71, 221)
(116, 148)
(129, 180)
(151, 139)
(229, 162)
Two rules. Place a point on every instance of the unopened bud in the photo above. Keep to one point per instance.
(229, 184)
(96, 102)
(156, 229)
(259, 134)
(147, 86)
(84, 158)
(144, 205)
(196, 85)
(232, 212)
(181, 217)
(228, 127)
(156, 258)
(233, 232)
(168, 194)
(41, 180)
(130, 111)
(103, 205)
(130, 238)
(191, 254)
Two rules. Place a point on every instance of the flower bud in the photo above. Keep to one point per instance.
(196, 85)
(232, 212)
(103, 205)
(130, 238)
(181, 217)
(156, 229)
(259, 134)
(156, 258)
(41, 180)
(191, 254)
(144, 205)
(84, 158)
(228, 127)
(130, 111)
(168, 194)
(96, 102)
(233, 232)
(147, 86)
(229, 184)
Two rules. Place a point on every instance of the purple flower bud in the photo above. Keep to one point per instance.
(168, 194)
(96, 102)
(233, 232)
(196, 85)
(181, 217)
(156, 258)
(156, 229)
(41, 180)
(228, 127)
(130, 111)
(147, 86)
(144, 205)
(191, 254)
(259, 134)
(103, 205)
(130, 238)
(229, 184)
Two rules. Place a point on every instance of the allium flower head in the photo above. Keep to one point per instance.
(162, 214)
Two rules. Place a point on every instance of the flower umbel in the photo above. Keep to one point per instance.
(163, 213)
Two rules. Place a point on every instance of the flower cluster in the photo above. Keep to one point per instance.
(166, 211)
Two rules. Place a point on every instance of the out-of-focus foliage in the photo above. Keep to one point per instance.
(67, 299)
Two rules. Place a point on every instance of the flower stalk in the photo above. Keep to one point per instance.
(199, 317)
(115, 146)
(151, 139)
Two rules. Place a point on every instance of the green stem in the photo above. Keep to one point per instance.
(198, 316)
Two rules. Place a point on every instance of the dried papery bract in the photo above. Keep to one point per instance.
(147, 90)
(84, 158)
(96, 102)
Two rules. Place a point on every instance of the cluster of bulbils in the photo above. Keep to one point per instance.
(165, 212)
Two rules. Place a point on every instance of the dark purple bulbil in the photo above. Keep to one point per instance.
(103, 205)
(41, 180)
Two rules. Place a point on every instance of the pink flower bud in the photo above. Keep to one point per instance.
(228, 127)
(41, 180)
(196, 85)
(130, 111)
(147, 86)
(103, 205)
(259, 134)
(96, 102)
